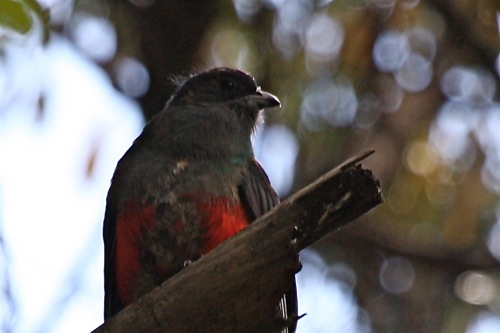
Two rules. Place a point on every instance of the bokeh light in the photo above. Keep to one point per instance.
(415, 74)
(484, 323)
(390, 51)
(95, 36)
(132, 77)
(494, 240)
(475, 288)
(60, 10)
(408, 55)
(246, 9)
(323, 38)
(329, 302)
(449, 134)
(420, 159)
(396, 275)
(291, 20)
(229, 47)
(469, 85)
(328, 100)
(277, 148)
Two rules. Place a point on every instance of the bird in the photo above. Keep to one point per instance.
(188, 182)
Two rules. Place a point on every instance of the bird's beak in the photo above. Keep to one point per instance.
(263, 99)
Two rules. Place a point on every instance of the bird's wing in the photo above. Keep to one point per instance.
(258, 197)
(112, 303)
(256, 192)
(132, 217)
(127, 274)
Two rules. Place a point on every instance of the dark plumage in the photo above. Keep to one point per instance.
(187, 183)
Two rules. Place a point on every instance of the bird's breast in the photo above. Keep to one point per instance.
(221, 218)
(174, 217)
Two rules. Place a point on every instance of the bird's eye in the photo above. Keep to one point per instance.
(228, 85)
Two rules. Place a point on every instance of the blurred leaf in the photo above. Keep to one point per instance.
(19, 15)
(15, 15)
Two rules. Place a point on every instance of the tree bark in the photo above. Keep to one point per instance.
(236, 287)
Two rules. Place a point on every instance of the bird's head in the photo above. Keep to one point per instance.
(225, 85)
(213, 113)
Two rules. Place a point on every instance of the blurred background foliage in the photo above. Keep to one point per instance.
(416, 80)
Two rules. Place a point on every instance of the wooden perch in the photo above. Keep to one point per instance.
(236, 287)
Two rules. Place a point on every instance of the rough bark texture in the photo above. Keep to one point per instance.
(235, 288)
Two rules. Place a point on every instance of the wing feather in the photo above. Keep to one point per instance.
(258, 197)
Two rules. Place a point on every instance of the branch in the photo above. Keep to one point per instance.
(236, 287)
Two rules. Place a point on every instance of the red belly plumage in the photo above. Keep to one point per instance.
(221, 218)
